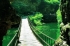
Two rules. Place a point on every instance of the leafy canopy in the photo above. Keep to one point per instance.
(37, 18)
(52, 1)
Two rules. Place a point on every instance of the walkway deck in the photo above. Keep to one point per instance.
(27, 37)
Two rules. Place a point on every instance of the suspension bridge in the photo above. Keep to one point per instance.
(28, 35)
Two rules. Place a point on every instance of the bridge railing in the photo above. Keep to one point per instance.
(44, 39)
(14, 40)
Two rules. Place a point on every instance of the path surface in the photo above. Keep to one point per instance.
(27, 37)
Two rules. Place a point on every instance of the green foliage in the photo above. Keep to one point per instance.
(50, 29)
(25, 7)
(10, 34)
(19, 6)
(49, 8)
(36, 19)
(59, 17)
(52, 1)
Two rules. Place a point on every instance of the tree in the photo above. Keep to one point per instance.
(48, 8)
(25, 7)
(6, 13)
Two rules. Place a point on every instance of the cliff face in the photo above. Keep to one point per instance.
(6, 16)
(65, 11)
(65, 25)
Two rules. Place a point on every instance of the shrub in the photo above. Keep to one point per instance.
(36, 19)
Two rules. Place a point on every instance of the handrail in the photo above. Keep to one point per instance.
(40, 37)
(45, 35)
(12, 40)
(15, 37)
(49, 39)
